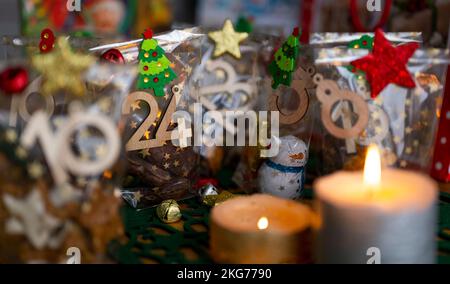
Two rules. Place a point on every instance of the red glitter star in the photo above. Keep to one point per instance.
(387, 64)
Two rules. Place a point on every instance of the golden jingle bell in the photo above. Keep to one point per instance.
(168, 211)
(214, 200)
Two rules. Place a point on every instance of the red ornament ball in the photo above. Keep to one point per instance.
(13, 80)
(113, 56)
(156, 80)
(146, 68)
(154, 54)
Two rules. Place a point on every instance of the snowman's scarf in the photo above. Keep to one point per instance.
(284, 169)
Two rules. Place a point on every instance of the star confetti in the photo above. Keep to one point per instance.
(387, 64)
(62, 69)
(227, 40)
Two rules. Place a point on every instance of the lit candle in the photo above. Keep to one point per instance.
(386, 216)
(261, 229)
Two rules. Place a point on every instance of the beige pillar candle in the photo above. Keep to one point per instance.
(260, 229)
(389, 215)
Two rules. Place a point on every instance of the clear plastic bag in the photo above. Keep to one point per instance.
(158, 169)
(61, 166)
(401, 121)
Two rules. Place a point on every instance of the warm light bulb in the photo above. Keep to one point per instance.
(263, 223)
(372, 167)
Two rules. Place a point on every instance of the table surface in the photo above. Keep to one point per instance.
(186, 242)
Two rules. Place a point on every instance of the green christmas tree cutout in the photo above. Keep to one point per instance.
(364, 42)
(283, 65)
(154, 67)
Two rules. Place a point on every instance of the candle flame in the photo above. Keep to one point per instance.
(372, 167)
(263, 223)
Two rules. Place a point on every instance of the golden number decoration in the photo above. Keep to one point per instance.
(303, 80)
(330, 95)
(57, 148)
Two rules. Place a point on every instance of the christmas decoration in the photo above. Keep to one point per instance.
(285, 59)
(113, 56)
(440, 168)
(284, 174)
(13, 80)
(155, 70)
(329, 94)
(169, 211)
(62, 69)
(244, 25)
(207, 190)
(387, 64)
(303, 80)
(364, 42)
(47, 42)
(214, 200)
(227, 40)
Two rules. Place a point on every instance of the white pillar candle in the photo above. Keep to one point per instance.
(391, 213)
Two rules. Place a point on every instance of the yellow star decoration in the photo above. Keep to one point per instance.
(62, 69)
(227, 40)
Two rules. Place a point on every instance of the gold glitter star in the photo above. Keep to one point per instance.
(408, 130)
(166, 156)
(35, 170)
(187, 70)
(176, 163)
(147, 134)
(227, 40)
(135, 105)
(137, 196)
(82, 181)
(378, 130)
(403, 164)
(11, 136)
(104, 105)
(101, 150)
(375, 115)
(408, 150)
(154, 168)
(408, 102)
(166, 166)
(182, 104)
(21, 152)
(185, 173)
(144, 153)
(62, 69)
(133, 124)
(416, 143)
(397, 139)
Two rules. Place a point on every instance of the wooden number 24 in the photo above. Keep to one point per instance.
(162, 134)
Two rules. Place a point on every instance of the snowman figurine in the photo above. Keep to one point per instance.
(284, 174)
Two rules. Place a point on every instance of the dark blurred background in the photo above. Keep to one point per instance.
(127, 18)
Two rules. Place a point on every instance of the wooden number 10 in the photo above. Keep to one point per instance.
(57, 147)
